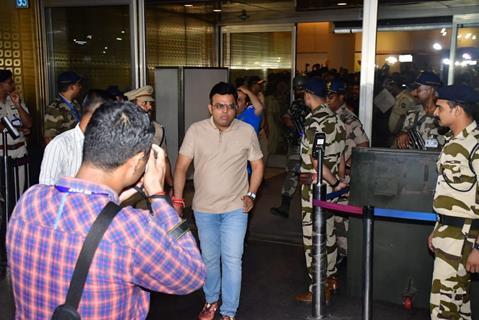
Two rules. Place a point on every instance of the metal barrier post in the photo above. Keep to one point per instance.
(6, 193)
(319, 235)
(368, 243)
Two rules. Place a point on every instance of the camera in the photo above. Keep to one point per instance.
(10, 128)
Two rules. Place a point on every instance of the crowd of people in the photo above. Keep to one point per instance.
(108, 149)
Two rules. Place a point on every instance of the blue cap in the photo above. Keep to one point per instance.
(336, 86)
(69, 77)
(316, 87)
(427, 78)
(458, 93)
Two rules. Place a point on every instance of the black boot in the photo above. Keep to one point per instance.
(283, 209)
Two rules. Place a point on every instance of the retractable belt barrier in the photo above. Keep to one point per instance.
(368, 213)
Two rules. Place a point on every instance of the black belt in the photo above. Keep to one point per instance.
(458, 222)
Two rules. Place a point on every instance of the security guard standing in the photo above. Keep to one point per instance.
(404, 102)
(355, 137)
(420, 129)
(454, 239)
(294, 121)
(321, 119)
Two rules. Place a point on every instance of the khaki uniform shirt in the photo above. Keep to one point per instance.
(59, 118)
(322, 119)
(17, 148)
(426, 126)
(404, 102)
(220, 159)
(355, 133)
(457, 187)
(160, 136)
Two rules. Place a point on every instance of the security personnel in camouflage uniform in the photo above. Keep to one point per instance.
(321, 119)
(421, 130)
(404, 102)
(294, 120)
(64, 112)
(355, 137)
(455, 237)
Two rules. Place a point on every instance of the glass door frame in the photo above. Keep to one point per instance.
(136, 15)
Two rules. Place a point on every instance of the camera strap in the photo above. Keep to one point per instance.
(92, 240)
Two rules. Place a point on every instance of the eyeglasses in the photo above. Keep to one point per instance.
(228, 107)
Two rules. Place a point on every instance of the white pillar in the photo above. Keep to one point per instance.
(368, 62)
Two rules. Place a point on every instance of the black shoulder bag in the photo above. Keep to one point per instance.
(68, 310)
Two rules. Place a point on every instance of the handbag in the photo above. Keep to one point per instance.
(68, 310)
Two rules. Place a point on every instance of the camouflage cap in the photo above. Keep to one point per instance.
(458, 93)
(427, 78)
(317, 87)
(336, 86)
(144, 93)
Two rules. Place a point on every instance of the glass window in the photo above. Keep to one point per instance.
(178, 36)
(466, 66)
(92, 41)
(267, 55)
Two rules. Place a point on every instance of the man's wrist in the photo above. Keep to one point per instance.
(251, 195)
(476, 246)
(155, 190)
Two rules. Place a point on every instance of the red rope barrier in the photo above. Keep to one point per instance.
(339, 207)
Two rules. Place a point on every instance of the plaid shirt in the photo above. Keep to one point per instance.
(46, 233)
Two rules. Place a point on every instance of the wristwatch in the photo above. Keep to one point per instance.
(476, 245)
(251, 195)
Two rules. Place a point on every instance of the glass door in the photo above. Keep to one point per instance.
(464, 59)
(95, 41)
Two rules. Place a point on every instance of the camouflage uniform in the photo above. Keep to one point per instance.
(297, 111)
(426, 125)
(355, 135)
(404, 103)
(452, 245)
(321, 120)
(59, 118)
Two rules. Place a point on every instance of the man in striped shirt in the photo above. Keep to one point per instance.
(63, 155)
(140, 250)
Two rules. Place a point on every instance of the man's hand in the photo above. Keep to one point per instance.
(306, 178)
(248, 204)
(402, 141)
(429, 241)
(472, 264)
(15, 99)
(342, 184)
(155, 171)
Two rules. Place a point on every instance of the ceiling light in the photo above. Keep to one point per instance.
(342, 3)
(446, 61)
(217, 10)
(188, 5)
(119, 39)
(468, 35)
(444, 34)
(474, 37)
(122, 31)
(405, 58)
(443, 30)
(89, 36)
(437, 46)
(106, 48)
(466, 56)
(391, 60)
(459, 36)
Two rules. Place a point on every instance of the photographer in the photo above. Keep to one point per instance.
(140, 250)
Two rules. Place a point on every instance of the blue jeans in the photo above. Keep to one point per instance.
(222, 240)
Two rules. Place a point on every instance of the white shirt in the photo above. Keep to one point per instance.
(62, 157)
(9, 110)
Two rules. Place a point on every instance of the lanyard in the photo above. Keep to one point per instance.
(74, 190)
(66, 191)
(72, 108)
